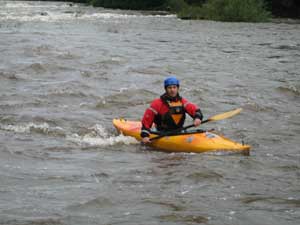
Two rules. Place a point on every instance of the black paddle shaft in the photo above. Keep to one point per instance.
(173, 132)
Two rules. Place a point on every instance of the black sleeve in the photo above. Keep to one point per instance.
(198, 114)
(145, 132)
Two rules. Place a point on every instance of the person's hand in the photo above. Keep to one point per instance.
(146, 140)
(197, 122)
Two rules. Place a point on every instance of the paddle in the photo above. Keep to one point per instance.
(221, 116)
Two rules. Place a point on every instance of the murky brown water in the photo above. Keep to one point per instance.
(67, 71)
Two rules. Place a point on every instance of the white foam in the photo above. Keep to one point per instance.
(50, 14)
(86, 140)
(98, 136)
(50, 17)
(121, 16)
(26, 128)
(43, 18)
(99, 130)
(28, 5)
(31, 127)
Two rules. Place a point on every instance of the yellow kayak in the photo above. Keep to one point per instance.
(185, 142)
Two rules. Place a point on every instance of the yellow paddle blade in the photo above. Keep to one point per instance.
(225, 115)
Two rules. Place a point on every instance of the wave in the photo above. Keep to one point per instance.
(108, 15)
(207, 174)
(287, 47)
(128, 97)
(94, 137)
(98, 141)
(42, 128)
(68, 92)
(47, 16)
(21, 4)
(291, 89)
(92, 204)
(25, 128)
(256, 107)
(37, 67)
(98, 136)
(10, 103)
(68, 89)
(9, 75)
(271, 200)
(148, 71)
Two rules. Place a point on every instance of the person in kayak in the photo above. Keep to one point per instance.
(168, 111)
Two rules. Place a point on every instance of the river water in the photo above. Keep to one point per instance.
(67, 70)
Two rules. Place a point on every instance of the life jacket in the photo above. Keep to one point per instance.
(174, 118)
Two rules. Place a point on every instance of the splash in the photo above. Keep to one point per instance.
(26, 128)
(53, 12)
(98, 136)
(23, 4)
(121, 16)
(42, 128)
(86, 140)
(51, 17)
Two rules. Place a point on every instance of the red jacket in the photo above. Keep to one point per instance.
(159, 107)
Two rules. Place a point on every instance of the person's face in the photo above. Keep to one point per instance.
(172, 90)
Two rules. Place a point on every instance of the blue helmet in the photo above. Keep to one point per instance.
(171, 81)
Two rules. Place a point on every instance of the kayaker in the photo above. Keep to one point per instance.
(168, 111)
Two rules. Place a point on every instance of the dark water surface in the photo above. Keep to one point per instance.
(67, 71)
